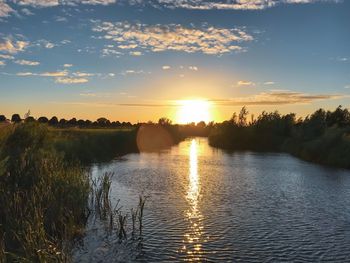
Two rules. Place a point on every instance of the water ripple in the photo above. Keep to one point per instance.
(206, 205)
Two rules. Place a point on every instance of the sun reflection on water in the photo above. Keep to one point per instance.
(193, 236)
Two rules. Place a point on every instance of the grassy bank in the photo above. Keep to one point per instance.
(43, 201)
(44, 191)
(323, 137)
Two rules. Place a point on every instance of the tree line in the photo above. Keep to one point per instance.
(73, 122)
(322, 137)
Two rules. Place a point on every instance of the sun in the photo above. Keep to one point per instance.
(193, 111)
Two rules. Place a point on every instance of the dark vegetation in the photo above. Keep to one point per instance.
(201, 129)
(322, 137)
(43, 201)
(86, 141)
(46, 195)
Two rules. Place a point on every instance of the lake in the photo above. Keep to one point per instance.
(204, 204)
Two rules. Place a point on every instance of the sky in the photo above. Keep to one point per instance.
(138, 60)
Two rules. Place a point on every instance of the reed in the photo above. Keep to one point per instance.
(122, 225)
(142, 201)
(42, 200)
(133, 213)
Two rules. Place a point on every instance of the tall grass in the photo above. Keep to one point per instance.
(42, 200)
(94, 145)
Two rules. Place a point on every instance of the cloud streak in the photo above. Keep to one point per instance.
(277, 98)
(24, 62)
(71, 80)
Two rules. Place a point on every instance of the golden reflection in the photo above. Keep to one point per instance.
(193, 237)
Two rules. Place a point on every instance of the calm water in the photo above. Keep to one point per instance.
(208, 205)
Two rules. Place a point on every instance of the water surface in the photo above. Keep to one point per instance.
(208, 205)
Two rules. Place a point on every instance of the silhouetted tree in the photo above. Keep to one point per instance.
(103, 122)
(233, 119)
(72, 122)
(164, 121)
(2, 118)
(53, 121)
(201, 124)
(43, 120)
(81, 123)
(88, 123)
(242, 117)
(340, 116)
(62, 122)
(16, 118)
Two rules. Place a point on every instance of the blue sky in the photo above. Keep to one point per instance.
(134, 60)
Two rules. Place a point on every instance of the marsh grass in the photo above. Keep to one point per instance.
(42, 200)
(45, 202)
(94, 145)
(141, 206)
(101, 193)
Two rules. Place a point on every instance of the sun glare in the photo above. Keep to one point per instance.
(193, 111)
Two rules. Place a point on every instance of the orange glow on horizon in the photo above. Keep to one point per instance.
(195, 110)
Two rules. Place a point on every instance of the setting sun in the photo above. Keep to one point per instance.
(193, 111)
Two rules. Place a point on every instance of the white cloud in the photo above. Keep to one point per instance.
(5, 9)
(49, 45)
(27, 12)
(2, 63)
(65, 42)
(37, 3)
(82, 74)
(132, 72)
(54, 74)
(51, 3)
(68, 65)
(6, 56)
(245, 83)
(13, 46)
(269, 83)
(61, 19)
(24, 74)
(343, 59)
(193, 68)
(96, 2)
(88, 94)
(71, 80)
(166, 67)
(135, 53)
(230, 4)
(172, 37)
(27, 62)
